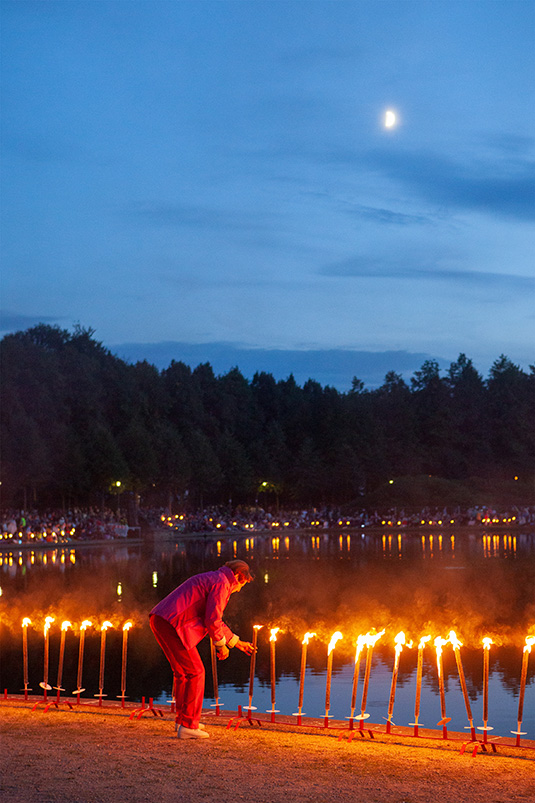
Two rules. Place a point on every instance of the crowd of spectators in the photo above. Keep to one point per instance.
(62, 527)
(257, 519)
(79, 525)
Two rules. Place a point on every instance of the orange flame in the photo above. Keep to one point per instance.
(439, 643)
(334, 638)
(127, 625)
(530, 641)
(373, 638)
(452, 637)
(487, 642)
(258, 627)
(423, 642)
(307, 637)
(105, 625)
(26, 622)
(399, 641)
(65, 625)
(274, 631)
(85, 624)
(48, 622)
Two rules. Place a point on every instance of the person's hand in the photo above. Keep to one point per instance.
(245, 646)
(222, 652)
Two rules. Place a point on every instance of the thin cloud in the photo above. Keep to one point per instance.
(178, 215)
(387, 216)
(508, 191)
(14, 322)
(369, 268)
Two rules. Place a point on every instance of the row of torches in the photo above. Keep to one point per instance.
(64, 628)
(367, 641)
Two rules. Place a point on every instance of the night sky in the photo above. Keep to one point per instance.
(210, 177)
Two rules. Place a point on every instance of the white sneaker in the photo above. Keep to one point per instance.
(201, 726)
(192, 733)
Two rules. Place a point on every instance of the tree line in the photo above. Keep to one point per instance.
(78, 423)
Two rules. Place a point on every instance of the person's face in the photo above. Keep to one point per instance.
(241, 582)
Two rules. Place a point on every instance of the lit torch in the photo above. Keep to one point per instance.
(371, 640)
(85, 624)
(44, 685)
(419, 671)
(457, 651)
(361, 643)
(103, 630)
(330, 655)
(25, 623)
(530, 641)
(126, 628)
(252, 666)
(399, 641)
(306, 639)
(64, 627)
(272, 641)
(486, 659)
(439, 643)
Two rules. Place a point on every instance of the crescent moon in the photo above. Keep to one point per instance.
(390, 119)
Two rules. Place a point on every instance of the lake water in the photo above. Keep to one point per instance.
(427, 583)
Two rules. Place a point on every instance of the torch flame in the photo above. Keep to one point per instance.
(399, 641)
(65, 625)
(334, 638)
(274, 631)
(486, 643)
(127, 625)
(258, 627)
(454, 640)
(373, 638)
(48, 622)
(26, 622)
(105, 625)
(530, 641)
(439, 643)
(307, 637)
(423, 642)
(85, 624)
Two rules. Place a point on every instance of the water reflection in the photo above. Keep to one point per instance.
(479, 584)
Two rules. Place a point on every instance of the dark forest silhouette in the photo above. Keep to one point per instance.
(75, 420)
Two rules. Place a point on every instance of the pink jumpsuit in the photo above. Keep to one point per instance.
(180, 621)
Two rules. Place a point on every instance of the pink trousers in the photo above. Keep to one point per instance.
(188, 670)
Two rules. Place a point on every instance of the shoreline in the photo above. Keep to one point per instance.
(101, 757)
(165, 535)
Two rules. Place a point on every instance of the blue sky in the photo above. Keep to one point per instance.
(219, 173)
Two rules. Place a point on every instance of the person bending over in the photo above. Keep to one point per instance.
(179, 622)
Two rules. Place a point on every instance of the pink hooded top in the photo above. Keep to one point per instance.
(196, 607)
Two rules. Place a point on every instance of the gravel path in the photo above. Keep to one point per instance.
(99, 757)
